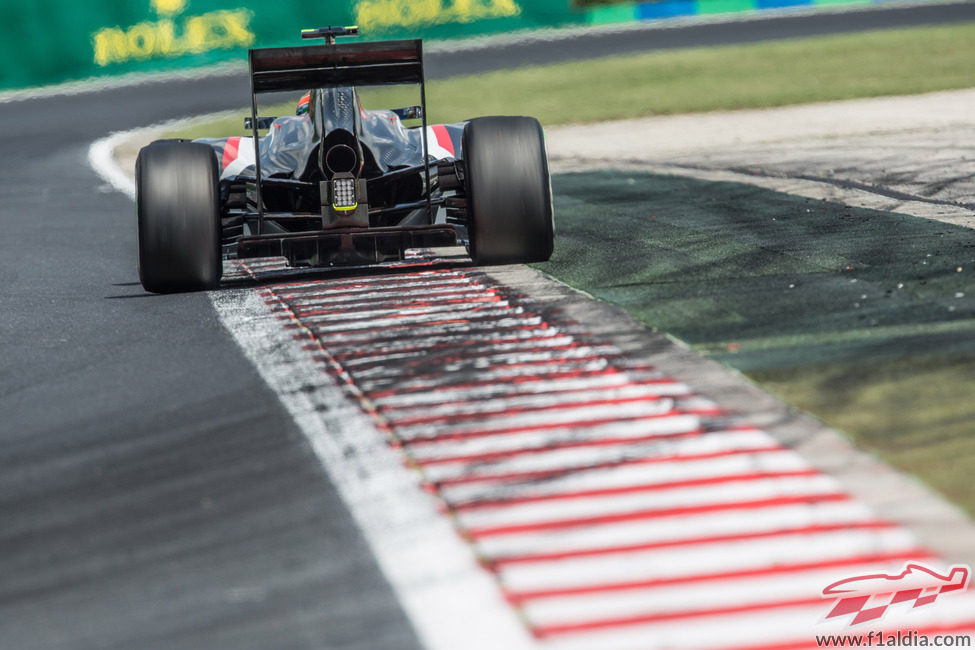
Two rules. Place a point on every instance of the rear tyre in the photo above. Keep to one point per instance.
(178, 205)
(509, 195)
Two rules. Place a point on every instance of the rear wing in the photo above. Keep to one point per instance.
(343, 64)
(302, 68)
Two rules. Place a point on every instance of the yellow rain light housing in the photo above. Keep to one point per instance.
(344, 201)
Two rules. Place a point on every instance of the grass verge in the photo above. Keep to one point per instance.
(917, 413)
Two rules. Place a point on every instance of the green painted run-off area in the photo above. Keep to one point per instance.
(863, 318)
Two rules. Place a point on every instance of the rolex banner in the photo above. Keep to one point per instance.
(61, 40)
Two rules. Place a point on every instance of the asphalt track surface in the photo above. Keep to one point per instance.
(154, 492)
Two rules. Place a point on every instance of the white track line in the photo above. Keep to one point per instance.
(452, 602)
(101, 158)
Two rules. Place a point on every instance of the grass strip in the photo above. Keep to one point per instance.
(916, 412)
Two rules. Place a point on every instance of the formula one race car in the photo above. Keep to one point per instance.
(337, 184)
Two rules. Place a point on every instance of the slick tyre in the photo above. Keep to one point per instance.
(177, 199)
(509, 196)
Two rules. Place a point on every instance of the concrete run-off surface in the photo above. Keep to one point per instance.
(912, 154)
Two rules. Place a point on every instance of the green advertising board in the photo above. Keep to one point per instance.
(50, 41)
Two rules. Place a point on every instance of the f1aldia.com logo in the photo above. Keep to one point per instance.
(867, 598)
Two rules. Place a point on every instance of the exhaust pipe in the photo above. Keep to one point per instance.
(342, 159)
